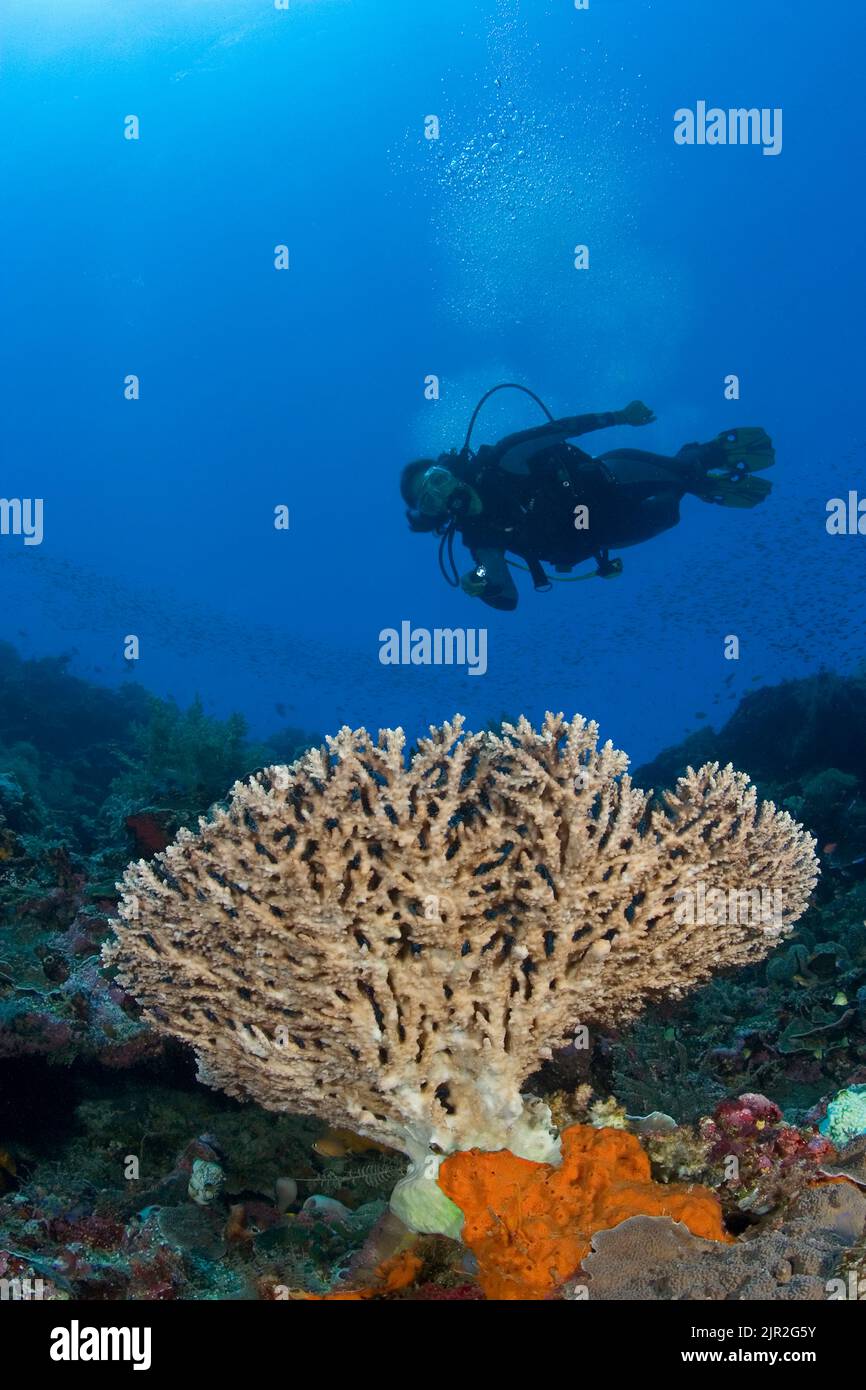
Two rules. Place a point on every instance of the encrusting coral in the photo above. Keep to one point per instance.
(656, 1259)
(393, 946)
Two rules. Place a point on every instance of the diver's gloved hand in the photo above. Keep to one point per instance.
(636, 413)
(474, 583)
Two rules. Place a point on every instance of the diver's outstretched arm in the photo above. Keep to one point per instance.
(515, 450)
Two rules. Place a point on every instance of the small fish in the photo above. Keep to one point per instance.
(281, 710)
(831, 848)
(337, 1143)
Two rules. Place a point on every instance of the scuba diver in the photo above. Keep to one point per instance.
(538, 497)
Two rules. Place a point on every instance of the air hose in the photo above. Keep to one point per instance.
(503, 386)
(447, 542)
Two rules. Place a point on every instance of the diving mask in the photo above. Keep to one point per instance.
(441, 494)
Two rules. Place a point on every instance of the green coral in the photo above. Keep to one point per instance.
(846, 1116)
(182, 761)
(827, 792)
(657, 1065)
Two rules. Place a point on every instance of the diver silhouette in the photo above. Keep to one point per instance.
(535, 496)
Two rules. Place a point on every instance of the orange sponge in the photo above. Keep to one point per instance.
(529, 1225)
(392, 1276)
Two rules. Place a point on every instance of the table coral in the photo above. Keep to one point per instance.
(530, 1225)
(395, 947)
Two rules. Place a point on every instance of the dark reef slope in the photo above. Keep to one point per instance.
(795, 1026)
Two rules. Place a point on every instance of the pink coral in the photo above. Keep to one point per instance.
(773, 1158)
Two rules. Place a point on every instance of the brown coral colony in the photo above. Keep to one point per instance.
(394, 943)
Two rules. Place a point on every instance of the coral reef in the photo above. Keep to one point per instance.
(54, 999)
(234, 1201)
(783, 733)
(794, 1027)
(178, 764)
(105, 1206)
(87, 777)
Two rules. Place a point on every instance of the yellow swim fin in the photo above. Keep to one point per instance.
(733, 460)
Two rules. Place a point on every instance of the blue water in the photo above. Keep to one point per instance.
(411, 257)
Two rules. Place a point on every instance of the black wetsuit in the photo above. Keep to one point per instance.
(530, 484)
